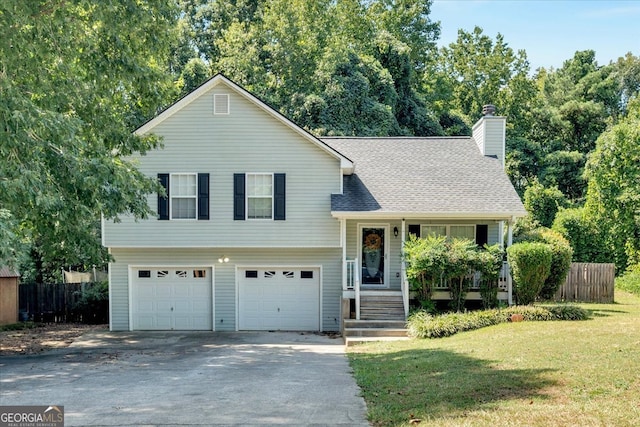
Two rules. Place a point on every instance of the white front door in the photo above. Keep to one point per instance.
(373, 249)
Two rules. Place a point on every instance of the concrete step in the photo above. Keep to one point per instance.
(376, 324)
(351, 341)
(374, 332)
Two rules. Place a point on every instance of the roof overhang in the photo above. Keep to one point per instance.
(346, 165)
(483, 216)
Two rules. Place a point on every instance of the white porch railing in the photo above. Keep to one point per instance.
(349, 283)
(356, 285)
(352, 281)
(404, 285)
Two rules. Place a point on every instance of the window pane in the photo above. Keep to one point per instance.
(259, 185)
(183, 185)
(259, 208)
(183, 208)
(463, 232)
(434, 230)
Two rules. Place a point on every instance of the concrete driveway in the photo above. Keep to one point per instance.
(199, 378)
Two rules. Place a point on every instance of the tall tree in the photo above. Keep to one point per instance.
(76, 78)
(613, 195)
(482, 71)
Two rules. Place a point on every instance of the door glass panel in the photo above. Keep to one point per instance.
(373, 256)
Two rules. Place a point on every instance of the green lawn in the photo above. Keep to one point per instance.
(561, 373)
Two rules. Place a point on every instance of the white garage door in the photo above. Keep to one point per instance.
(172, 299)
(286, 299)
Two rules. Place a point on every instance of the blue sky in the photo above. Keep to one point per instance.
(550, 31)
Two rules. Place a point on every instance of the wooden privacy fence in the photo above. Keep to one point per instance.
(61, 303)
(588, 282)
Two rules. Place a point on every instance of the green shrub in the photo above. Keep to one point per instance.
(94, 304)
(543, 203)
(561, 254)
(583, 235)
(529, 313)
(630, 280)
(530, 266)
(425, 266)
(568, 312)
(424, 325)
(489, 264)
(432, 261)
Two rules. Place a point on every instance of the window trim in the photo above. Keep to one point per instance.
(173, 196)
(248, 197)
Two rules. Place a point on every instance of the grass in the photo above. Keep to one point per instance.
(521, 374)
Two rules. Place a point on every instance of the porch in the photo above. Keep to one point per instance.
(368, 290)
(381, 304)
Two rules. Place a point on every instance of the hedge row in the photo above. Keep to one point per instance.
(421, 324)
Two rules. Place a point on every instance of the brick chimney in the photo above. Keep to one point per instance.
(489, 133)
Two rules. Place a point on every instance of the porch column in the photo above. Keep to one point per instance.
(343, 243)
(403, 273)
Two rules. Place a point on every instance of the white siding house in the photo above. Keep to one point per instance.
(262, 223)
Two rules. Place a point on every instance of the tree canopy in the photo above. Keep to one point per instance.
(75, 80)
(77, 77)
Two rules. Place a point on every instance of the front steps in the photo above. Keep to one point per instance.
(359, 331)
(381, 307)
(381, 319)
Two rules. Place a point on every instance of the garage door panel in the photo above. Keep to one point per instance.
(172, 299)
(279, 299)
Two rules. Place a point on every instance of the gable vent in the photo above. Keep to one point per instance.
(221, 103)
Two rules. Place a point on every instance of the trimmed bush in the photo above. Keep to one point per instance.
(530, 266)
(423, 325)
(561, 254)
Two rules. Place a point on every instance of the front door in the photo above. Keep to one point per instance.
(373, 249)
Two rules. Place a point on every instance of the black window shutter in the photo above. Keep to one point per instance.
(414, 229)
(279, 197)
(163, 200)
(238, 196)
(203, 196)
(482, 234)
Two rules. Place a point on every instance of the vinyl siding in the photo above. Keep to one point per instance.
(248, 140)
(224, 277)
(489, 135)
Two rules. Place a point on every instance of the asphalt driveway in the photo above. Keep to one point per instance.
(201, 378)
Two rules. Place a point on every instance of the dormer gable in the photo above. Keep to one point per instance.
(221, 106)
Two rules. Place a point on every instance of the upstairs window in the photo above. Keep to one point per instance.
(183, 196)
(186, 196)
(259, 196)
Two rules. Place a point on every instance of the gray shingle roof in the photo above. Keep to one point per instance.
(435, 176)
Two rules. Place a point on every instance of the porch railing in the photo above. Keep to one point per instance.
(503, 279)
(356, 285)
(349, 284)
(404, 285)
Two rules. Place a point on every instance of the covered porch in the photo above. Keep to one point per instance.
(374, 279)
